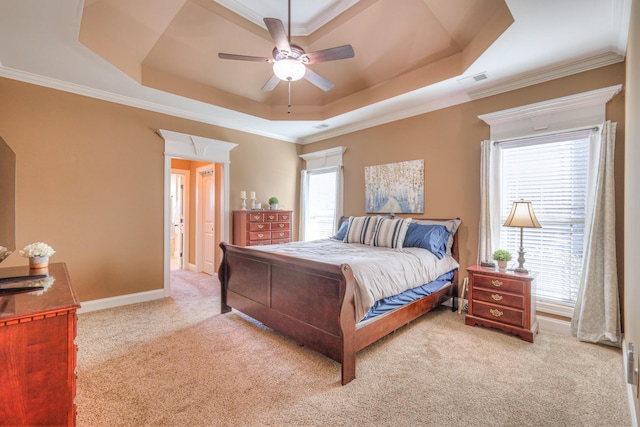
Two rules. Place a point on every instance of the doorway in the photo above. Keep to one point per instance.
(206, 151)
(179, 227)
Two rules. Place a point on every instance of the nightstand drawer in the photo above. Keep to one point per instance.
(499, 297)
(499, 313)
(498, 283)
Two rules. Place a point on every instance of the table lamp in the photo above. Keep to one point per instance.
(522, 216)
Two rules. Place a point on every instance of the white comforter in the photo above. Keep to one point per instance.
(379, 272)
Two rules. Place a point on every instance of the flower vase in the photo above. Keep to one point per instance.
(502, 265)
(37, 262)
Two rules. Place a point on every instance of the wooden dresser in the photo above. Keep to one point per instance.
(38, 351)
(502, 300)
(252, 227)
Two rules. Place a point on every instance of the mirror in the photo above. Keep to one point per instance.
(7, 200)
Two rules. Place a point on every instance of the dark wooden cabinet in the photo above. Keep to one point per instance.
(502, 300)
(252, 227)
(38, 351)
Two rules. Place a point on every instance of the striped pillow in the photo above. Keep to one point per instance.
(390, 232)
(361, 229)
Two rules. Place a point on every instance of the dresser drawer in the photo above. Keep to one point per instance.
(499, 297)
(260, 235)
(270, 216)
(280, 225)
(256, 217)
(279, 241)
(259, 226)
(280, 234)
(492, 282)
(284, 216)
(499, 313)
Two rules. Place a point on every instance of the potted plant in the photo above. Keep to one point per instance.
(273, 203)
(38, 254)
(502, 256)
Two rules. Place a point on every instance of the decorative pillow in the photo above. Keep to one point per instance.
(390, 232)
(342, 231)
(361, 229)
(430, 237)
(451, 224)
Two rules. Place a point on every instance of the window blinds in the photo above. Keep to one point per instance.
(552, 174)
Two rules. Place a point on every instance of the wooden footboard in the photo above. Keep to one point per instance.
(309, 301)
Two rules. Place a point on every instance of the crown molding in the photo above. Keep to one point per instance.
(297, 29)
(547, 74)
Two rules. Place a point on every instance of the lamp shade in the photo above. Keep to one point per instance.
(522, 216)
(289, 70)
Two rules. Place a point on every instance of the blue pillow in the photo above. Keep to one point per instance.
(342, 232)
(430, 237)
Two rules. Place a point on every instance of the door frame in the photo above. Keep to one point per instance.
(191, 147)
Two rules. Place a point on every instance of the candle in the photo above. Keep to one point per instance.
(252, 195)
(243, 194)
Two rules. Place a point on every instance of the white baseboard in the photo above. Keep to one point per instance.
(549, 324)
(104, 303)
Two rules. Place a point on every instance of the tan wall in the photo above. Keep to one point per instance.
(632, 191)
(449, 142)
(90, 182)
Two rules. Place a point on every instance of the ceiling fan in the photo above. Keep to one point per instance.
(290, 60)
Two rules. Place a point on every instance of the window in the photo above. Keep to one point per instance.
(552, 174)
(320, 212)
(321, 193)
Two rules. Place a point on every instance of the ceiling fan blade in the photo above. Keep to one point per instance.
(279, 36)
(244, 57)
(271, 83)
(331, 54)
(318, 80)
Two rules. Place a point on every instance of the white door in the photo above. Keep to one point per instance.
(208, 221)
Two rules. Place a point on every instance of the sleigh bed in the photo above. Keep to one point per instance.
(319, 303)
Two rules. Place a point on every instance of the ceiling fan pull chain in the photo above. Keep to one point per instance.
(289, 103)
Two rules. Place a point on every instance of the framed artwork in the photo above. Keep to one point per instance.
(395, 187)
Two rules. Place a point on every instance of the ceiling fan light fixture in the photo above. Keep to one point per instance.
(289, 69)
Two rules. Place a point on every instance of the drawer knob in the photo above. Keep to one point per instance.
(496, 297)
(285, 216)
(281, 234)
(271, 217)
(281, 225)
(256, 217)
(496, 312)
(260, 226)
(260, 235)
(496, 283)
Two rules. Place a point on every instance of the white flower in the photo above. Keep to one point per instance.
(4, 252)
(37, 249)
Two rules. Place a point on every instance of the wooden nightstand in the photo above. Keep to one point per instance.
(502, 300)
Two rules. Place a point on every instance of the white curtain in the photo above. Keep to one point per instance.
(489, 200)
(339, 195)
(596, 317)
(304, 202)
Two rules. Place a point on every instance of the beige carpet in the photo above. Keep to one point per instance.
(178, 362)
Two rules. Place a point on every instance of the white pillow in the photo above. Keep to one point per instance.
(390, 232)
(361, 229)
(451, 224)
